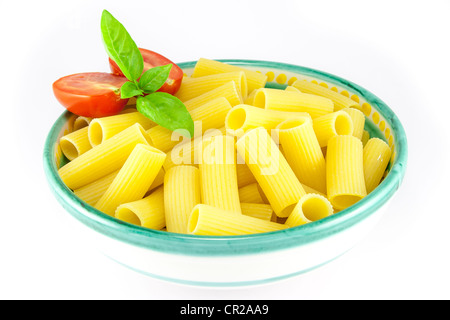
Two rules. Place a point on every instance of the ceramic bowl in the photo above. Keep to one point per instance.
(251, 259)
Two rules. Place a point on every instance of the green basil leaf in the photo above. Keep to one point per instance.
(167, 111)
(120, 47)
(154, 78)
(129, 89)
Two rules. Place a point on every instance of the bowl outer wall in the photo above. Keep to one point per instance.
(247, 244)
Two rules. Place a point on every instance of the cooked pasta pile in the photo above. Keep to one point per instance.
(261, 160)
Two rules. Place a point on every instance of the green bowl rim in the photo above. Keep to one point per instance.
(173, 243)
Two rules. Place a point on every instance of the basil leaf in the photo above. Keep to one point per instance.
(129, 89)
(167, 111)
(120, 47)
(154, 78)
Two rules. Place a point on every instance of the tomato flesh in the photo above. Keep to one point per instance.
(91, 94)
(153, 59)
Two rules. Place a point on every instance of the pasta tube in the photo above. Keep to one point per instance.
(257, 210)
(340, 101)
(81, 122)
(75, 143)
(345, 171)
(102, 159)
(187, 153)
(147, 212)
(271, 170)
(358, 120)
(134, 178)
(181, 194)
(376, 159)
(93, 191)
(203, 67)
(228, 90)
(101, 129)
(311, 207)
(287, 100)
(332, 124)
(212, 221)
(219, 186)
(194, 87)
(303, 152)
(243, 117)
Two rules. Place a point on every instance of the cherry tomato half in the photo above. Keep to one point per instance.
(91, 94)
(153, 59)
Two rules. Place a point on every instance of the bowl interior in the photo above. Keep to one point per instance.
(381, 122)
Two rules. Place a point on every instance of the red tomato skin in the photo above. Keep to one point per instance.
(87, 101)
(154, 59)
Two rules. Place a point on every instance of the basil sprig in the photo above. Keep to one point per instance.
(162, 108)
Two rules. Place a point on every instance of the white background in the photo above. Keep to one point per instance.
(399, 50)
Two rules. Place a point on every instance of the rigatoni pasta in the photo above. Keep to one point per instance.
(103, 159)
(311, 207)
(289, 100)
(302, 151)
(243, 117)
(193, 87)
(218, 174)
(271, 170)
(345, 171)
(340, 101)
(261, 159)
(101, 129)
(203, 67)
(75, 143)
(376, 156)
(148, 212)
(212, 221)
(331, 125)
(134, 178)
(181, 194)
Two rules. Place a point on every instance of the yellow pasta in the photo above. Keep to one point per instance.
(81, 122)
(181, 194)
(340, 101)
(276, 178)
(102, 159)
(311, 207)
(219, 186)
(93, 191)
(101, 129)
(244, 175)
(208, 116)
(187, 153)
(243, 117)
(228, 90)
(288, 100)
(376, 155)
(358, 120)
(203, 67)
(75, 143)
(303, 152)
(365, 137)
(194, 87)
(257, 210)
(332, 124)
(134, 178)
(291, 88)
(147, 212)
(345, 171)
(251, 193)
(212, 221)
